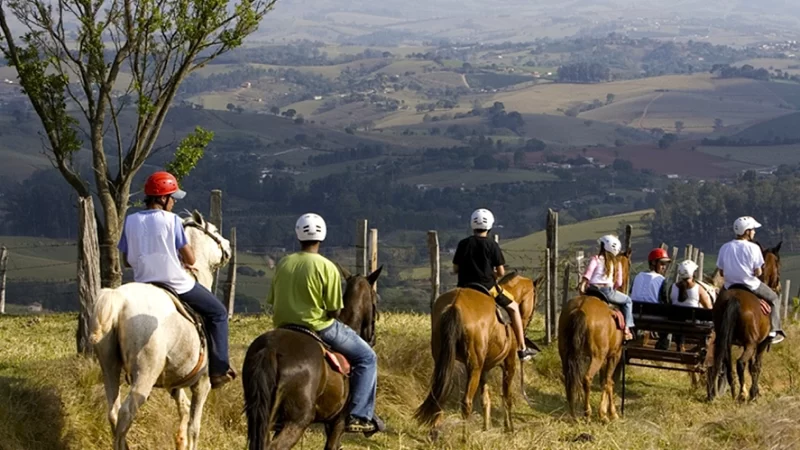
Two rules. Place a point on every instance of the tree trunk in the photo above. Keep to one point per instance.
(88, 271)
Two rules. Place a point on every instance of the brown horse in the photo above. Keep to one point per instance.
(588, 342)
(286, 377)
(740, 320)
(464, 327)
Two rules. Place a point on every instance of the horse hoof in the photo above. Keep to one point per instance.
(434, 435)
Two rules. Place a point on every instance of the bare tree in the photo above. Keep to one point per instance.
(78, 61)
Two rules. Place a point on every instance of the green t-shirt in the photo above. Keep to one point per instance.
(305, 287)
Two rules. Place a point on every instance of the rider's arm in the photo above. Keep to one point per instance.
(332, 290)
(587, 275)
(123, 246)
(455, 269)
(705, 300)
(182, 244)
(618, 277)
(758, 272)
(498, 261)
(499, 271)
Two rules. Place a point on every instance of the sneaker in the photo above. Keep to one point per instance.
(527, 354)
(358, 425)
(776, 338)
(218, 381)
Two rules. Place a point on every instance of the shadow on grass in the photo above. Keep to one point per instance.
(30, 418)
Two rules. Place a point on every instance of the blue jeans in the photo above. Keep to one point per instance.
(364, 362)
(623, 301)
(215, 319)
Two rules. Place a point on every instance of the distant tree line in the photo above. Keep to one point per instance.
(583, 72)
(746, 71)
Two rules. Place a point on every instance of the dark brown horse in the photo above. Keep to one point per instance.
(286, 377)
(464, 328)
(589, 341)
(740, 320)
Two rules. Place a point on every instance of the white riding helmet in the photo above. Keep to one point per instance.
(482, 219)
(310, 227)
(686, 269)
(611, 243)
(743, 224)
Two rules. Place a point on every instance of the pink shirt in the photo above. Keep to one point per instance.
(596, 273)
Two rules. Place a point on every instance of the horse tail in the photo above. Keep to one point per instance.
(574, 363)
(451, 331)
(724, 338)
(260, 383)
(103, 315)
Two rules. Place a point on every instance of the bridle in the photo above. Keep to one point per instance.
(204, 228)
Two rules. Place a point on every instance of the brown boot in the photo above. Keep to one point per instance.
(218, 381)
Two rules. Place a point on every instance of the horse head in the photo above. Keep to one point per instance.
(211, 249)
(524, 290)
(360, 309)
(771, 274)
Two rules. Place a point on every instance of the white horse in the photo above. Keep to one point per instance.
(139, 328)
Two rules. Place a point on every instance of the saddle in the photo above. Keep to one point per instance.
(501, 313)
(336, 360)
(766, 308)
(616, 314)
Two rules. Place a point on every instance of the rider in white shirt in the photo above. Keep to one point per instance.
(647, 285)
(740, 261)
(687, 292)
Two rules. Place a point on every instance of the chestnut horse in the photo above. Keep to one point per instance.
(589, 341)
(739, 319)
(464, 328)
(286, 378)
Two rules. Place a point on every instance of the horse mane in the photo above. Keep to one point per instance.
(508, 277)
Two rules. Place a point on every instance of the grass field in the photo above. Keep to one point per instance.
(762, 156)
(51, 399)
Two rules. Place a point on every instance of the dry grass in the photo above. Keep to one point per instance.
(51, 399)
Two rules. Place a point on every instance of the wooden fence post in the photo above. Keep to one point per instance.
(787, 297)
(215, 217)
(627, 246)
(373, 253)
(88, 270)
(497, 238)
(695, 254)
(361, 247)
(565, 287)
(548, 332)
(552, 271)
(3, 269)
(674, 263)
(687, 253)
(433, 249)
(230, 284)
(579, 260)
(701, 260)
(664, 246)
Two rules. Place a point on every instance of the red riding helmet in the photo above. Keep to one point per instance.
(163, 183)
(658, 254)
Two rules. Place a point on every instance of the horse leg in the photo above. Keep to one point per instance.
(611, 366)
(587, 385)
(142, 386)
(744, 360)
(473, 380)
(183, 417)
(509, 367)
(487, 403)
(200, 392)
(334, 431)
(112, 368)
(755, 370)
(297, 416)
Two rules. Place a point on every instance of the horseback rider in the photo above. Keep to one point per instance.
(740, 261)
(154, 244)
(647, 285)
(605, 274)
(307, 291)
(479, 260)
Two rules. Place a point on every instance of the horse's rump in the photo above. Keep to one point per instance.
(614, 310)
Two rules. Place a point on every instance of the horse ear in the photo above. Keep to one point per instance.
(537, 282)
(373, 277)
(628, 252)
(345, 273)
(197, 217)
(777, 248)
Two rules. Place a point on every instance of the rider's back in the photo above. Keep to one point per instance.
(304, 289)
(150, 241)
(738, 259)
(477, 257)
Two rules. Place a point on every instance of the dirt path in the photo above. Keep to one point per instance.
(647, 108)
(464, 79)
